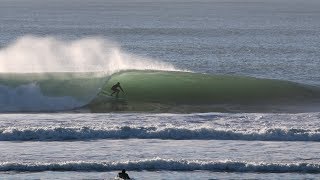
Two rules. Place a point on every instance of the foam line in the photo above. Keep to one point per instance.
(174, 133)
(158, 164)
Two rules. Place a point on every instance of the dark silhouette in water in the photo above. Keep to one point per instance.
(115, 89)
(123, 174)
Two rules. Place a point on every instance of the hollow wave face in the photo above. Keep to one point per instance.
(152, 91)
(163, 91)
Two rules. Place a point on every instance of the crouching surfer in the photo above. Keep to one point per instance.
(123, 174)
(115, 89)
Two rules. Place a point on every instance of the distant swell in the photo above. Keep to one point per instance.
(126, 132)
(165, 164)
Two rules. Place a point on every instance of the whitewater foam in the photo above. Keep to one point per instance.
(174, 133)
(159, 164)
(28, 97)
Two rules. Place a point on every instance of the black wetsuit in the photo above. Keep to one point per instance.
(123, 175)
(115, 89)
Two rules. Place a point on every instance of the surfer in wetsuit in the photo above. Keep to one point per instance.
(116, 90)
(123, 174)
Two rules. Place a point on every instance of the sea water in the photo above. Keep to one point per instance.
(47, 97)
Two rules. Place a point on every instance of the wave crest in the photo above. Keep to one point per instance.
(158, 164)
(127, 132)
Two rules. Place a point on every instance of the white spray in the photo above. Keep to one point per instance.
(31, 54)
(49, 54)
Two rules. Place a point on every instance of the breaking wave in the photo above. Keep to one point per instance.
(158, 164)
(47, 74)
(126, 132)
(153, 91)
(186, 92)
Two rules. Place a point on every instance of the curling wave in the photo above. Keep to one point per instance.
(47, 74)
(153, 91)
(126, 132)
(162, 91)
(158, 164)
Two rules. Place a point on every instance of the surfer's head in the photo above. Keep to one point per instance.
(118, 83)
(123, 171)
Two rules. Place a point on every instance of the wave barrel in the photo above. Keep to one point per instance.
(194, 92)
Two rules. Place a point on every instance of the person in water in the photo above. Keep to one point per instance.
(123, 174)
(116, 90)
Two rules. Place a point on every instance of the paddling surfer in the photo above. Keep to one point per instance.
(115, 89)
(123, 174)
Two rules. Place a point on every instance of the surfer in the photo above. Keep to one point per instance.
(123, 174)
(116, 90)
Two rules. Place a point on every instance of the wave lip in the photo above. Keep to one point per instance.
(165, 165)
(127, 132)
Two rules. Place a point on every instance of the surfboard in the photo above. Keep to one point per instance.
(118, 178)
(107, 95)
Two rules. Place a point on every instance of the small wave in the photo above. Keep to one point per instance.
(158, 164)
(127, 132)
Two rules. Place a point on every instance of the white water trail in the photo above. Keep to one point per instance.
(30, 98)
(30, 54)
(159, 164)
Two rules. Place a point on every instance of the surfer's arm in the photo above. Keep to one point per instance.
(121, 89)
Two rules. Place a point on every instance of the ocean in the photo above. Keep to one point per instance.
(213, 89)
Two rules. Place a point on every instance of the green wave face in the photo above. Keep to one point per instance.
(152, 91)
(192, 88)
